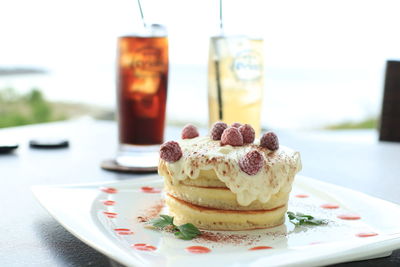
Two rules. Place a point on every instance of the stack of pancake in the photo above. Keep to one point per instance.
(205, 188)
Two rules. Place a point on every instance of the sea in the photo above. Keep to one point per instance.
(293, 98)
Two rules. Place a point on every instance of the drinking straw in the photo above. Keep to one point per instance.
(221, 22)
(141, 14)
(217, 70)
(219, 89)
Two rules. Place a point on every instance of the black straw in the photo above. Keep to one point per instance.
(141, 14)
(219, 90)
(217, 67)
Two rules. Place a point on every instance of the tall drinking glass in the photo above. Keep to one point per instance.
(142, 83)
(236, 80)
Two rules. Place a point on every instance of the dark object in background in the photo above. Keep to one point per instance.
(49, 143)
(8, 148)
(390, 117)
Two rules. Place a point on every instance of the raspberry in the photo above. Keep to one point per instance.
(248, 133)
(270, 141)
(236, 124)
(189, 132)
(231, 136)
(217, 130)
(170, 151)
(252, 162)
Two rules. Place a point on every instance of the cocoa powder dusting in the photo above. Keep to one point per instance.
(235, 239)
(225, 238)
(151, 212)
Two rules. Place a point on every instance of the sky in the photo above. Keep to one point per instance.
(328, 53)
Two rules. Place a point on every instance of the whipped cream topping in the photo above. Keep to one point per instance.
(202, 153)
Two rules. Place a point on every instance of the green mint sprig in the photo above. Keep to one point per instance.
(299, 218)
(186, 231)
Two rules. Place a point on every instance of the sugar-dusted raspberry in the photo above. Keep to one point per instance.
(270, 141)
(170, 151)
(252, 162)
(189, 132)
(236, 124)
(232, 136)
(217, 130)
(248, 133)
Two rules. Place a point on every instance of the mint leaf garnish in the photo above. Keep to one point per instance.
(299, 218)
(163, 221)
(186, 231)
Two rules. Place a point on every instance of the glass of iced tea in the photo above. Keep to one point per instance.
(236, 80)
(142, 81)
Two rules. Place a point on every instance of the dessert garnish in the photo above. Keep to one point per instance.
(269, 140)
(170, 151)
(232, 136)
(189, 131)
(251, 162)
(185, 231)
(299, 219)
(236, 124)
(217, 129)
(248, 133)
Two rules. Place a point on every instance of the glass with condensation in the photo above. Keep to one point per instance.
(236, 80)
(142, 83)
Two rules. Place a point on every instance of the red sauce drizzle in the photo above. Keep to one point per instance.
(138, 245)
(198, 249)
(110, 214)
(349, 217)
(109, 190)
(123, 231)
(301, 196)
(260, 247)
(368, 234)
(149, 189)
(315, 243)
(329, 206)
(108, 202)
(143, 247)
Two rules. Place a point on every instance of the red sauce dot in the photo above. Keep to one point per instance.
(110, 214)
(329, 206)
(366, 234)
(109, 190)
(138, 245)
(260, 247)
(349, 217)
(149, 189)
(198, 249)
(301, 196)
(125, 233)
(121, 229)
(144, 247)
(108, 202)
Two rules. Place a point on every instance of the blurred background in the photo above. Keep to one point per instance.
(324, 60)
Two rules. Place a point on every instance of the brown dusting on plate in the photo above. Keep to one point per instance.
(151, 212)
(225, 238)
(235, 239)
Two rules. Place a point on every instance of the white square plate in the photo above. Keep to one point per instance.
(107, 220)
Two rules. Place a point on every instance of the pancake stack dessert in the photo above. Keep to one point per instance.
(227, 180)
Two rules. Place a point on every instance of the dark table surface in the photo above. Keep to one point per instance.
(31, 237)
